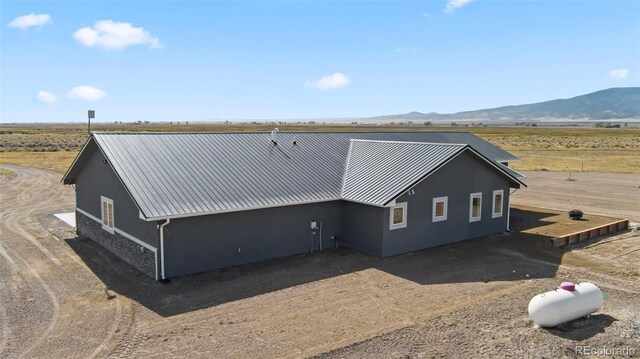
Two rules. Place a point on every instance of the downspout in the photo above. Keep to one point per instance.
(509, 210)
(161, 228)
(320, 236)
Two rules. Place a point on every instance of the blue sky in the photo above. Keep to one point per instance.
(202, 60)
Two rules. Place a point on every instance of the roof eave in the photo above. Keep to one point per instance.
(465, 148)
(207, 213)
(64, 179)
(515, 179)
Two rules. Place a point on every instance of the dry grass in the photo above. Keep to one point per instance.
(5, 172)
(613, 161)
(552, 148)
(578, 161)
(57, 161)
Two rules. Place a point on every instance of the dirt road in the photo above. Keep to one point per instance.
(47, 294)
(62, 296)
(608, 194)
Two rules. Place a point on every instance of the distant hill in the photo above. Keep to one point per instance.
(613, 103)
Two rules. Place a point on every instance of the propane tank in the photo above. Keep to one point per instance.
(564, 304)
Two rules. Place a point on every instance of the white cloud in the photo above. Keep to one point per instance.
(86, 93)
(619, 74)
(330, 82)
(407, 49)
(112, 35)
(46, 97)
(453, 5)
(26, 21)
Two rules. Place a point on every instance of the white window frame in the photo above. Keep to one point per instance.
(109, 201)
(435, 218)
(403, 224)
(471, 197)
(494, 213)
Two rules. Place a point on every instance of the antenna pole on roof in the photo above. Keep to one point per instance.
(274, 136)
(90, 114)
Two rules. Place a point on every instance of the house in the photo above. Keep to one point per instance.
(177, 203)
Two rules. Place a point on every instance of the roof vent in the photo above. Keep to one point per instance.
(274, 136)
(294, 141)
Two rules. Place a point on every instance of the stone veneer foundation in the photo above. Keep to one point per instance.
(131, 252)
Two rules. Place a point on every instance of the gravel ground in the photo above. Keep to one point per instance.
(62, 296)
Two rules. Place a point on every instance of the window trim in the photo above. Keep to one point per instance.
(106, 227)
(434, 217)
(495, 214)
(471, 197)
(403, 224)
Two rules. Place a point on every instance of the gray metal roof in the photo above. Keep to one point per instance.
(188, 174)
(510, 171)
(377, 171)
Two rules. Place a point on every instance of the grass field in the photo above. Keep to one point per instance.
(552, 148)
(5, 172)
(57, 161)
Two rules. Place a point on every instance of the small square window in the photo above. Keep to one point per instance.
(440, 209)
(107, 214)
(475, 207)
(398, 216)
(498, 203)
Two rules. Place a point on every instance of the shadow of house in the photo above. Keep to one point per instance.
(495, 258)
(203, 290)
(522, 219)
(503, 257)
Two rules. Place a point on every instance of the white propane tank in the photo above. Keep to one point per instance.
(562, 305)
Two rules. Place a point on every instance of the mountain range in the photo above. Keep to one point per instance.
(613, 103)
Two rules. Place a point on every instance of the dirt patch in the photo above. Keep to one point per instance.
(62, 296)
(607, 194)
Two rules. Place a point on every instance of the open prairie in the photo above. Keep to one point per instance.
(553, 148)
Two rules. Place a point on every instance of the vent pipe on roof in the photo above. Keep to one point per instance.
(274, 136)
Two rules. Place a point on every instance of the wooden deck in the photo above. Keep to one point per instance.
(594, 232)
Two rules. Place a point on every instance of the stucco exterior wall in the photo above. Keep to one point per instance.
(98, 179)
(204, 243)
(456, 180)
(363, 228)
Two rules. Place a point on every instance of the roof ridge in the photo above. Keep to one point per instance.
(411, 142)
(256, 132)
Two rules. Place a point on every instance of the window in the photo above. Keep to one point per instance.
(475, 207)
(107, 214)
(496, 211)
(439, 209)
(398, 216)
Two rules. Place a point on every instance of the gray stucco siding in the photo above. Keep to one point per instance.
(202, 243)
(98, 179)
(456, 180)
(362, 228)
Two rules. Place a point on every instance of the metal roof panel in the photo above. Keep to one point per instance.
(379, 170)
(189, 174)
